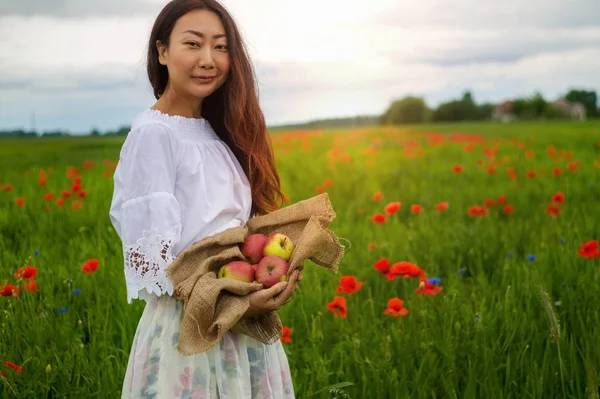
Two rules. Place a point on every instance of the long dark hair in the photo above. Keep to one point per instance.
(233, 109)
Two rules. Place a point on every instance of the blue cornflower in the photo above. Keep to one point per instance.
(510, 255)
(77, 291)
(531, 258)
(561, 240)
(462, 271)
(435, 280)
(62, 310)
(36, 253)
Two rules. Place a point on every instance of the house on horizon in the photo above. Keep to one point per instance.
(503, 112)
(573, 110)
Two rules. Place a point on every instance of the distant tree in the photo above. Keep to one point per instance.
(484, 111)
(538, 105)
(588, 98)
(407, 110)
(95, 132)
(457, 110)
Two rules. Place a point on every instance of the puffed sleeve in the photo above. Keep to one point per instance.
(144, 210)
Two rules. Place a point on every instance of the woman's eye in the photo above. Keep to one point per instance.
(223, 46)
(192, 43)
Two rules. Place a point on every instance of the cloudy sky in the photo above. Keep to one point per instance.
(79, 64)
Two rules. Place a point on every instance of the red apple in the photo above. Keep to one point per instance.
(253, 245)
(279, 245)
(271, 270)
(239, 270)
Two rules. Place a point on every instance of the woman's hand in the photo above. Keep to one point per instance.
(269, 299)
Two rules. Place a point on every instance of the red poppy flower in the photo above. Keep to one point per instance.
(502, 199)
(377, 196)
(20, 201)
(9, 290)
(589, 249)
(382, 265)
(348, 285)
(531, 174)
(26, 272)
(529, 154)
(406, 269)
(416, 208)
(18, 369)
(395, 308)
(572, 166)
(553, 209)
(372, 246)
(328, 182)
(477, 210)
(426, 288)
(511, 172)
(392, 207)
(286, 335)
(457, 168)
(488, 202)
(48, 197)
(378, 218)
(442, 206)
(491, 170)
(556, 171)
(30, 285)
(508, 209)
(338, 306)
(558, 198)
(90, 266)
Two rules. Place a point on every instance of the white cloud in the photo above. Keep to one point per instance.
(313, 59)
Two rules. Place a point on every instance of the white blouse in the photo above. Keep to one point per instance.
(176, 182)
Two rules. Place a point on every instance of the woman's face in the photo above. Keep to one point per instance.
(197, 48)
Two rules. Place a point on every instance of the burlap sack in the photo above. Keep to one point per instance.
(212, 306)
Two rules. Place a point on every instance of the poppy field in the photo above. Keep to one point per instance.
(472, 265)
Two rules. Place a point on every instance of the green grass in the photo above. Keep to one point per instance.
(486, 335)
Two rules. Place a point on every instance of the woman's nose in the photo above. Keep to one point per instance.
(206, 59)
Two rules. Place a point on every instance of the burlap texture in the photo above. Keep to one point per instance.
(212, 306)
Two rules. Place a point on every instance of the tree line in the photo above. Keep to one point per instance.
(575, 103)
(413, 109)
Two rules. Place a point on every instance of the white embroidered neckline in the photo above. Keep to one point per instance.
(178, 118)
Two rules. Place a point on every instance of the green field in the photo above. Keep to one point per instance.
(487, 334)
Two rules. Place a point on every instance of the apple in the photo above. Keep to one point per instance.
(253, 245)
(238, 270)
(270, 270)
(279, 245)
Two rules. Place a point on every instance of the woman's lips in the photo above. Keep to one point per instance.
(203, 80)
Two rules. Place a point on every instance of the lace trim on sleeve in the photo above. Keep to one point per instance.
(146, 262)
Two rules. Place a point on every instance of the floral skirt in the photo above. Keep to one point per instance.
(238, 367)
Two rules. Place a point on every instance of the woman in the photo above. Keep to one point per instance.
(197, 162)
